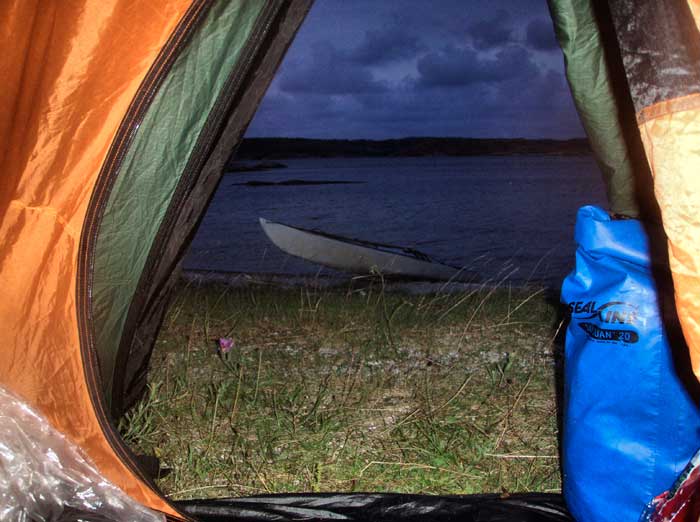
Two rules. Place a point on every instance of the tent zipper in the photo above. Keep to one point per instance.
(215, 120)
(160, 68)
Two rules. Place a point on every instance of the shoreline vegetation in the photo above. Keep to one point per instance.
(352, 387)
(293, 182)
(270, 149)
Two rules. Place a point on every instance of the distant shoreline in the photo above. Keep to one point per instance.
(293, 182)
(338, 281)
(286, 148)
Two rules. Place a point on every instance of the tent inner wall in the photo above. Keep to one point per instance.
(70, 88)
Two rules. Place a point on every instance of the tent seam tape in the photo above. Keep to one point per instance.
(668, 107)
(48, 210)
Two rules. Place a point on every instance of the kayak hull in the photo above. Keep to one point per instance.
(356, 257)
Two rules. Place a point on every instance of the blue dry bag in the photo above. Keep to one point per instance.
(630, 424)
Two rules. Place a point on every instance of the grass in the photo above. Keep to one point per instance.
(358, 389)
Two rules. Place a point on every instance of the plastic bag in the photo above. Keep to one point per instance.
(681, 503)
(44, 477)
(630, 425)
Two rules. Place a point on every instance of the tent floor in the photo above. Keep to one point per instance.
(524, 507)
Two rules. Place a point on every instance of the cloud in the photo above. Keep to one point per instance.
(410, 68)
(538, 106)
(327, 71)
(463, 66)
(385, 46)
(494, 31)
(539, 35)
(293, 115)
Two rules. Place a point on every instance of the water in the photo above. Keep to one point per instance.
(503, 217)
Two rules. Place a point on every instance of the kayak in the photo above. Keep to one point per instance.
(359, 256)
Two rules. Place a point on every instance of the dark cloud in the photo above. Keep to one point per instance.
(540, 35)
(494, 31)
(538, 106)
(400, 68)
(282, 114)
(386, 46)
(463, 66)
(328, 71)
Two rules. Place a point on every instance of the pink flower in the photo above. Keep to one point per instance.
(225, 345)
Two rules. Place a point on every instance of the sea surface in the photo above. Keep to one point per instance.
(507, 218)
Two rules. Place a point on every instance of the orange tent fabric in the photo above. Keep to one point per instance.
(71, 71)
(671, 136)
(660, 45)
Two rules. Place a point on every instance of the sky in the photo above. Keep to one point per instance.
(380, 69)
